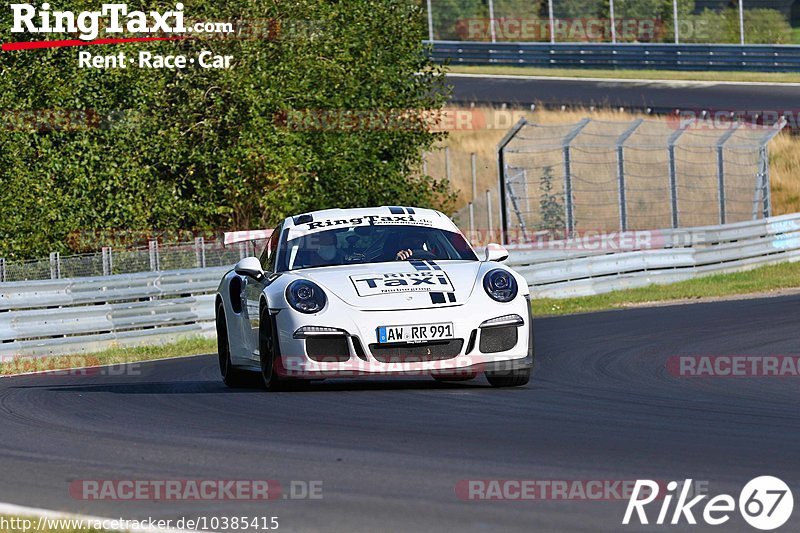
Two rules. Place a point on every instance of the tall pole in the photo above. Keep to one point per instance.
(613, 22)
(675, 19)
(447, 174)
(552, 21)
(430, 21)
(474, 165)
(491, 21)
(489, 212)
(741, 22)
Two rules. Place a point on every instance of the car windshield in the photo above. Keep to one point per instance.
(372, 244)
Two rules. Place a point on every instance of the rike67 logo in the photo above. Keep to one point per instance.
(766, 503)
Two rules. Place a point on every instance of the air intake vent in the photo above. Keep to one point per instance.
(408, 353)
(328, 349)
(499, 339)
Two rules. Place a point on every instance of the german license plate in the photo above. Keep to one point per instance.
(415, 333)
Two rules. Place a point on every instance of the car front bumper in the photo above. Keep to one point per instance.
(363, 356)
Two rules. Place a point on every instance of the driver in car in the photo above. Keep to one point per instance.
(409, 243)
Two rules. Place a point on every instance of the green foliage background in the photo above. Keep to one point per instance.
(201, 148)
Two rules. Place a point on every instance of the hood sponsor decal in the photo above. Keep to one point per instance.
(422, 281)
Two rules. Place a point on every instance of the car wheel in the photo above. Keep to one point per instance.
(268, 352)
(509, 378)
(231, 376)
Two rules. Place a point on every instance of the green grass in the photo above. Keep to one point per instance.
(796, 35)
(189, 346)
(758, 281)
(770, 77)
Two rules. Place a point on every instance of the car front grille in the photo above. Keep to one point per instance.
(407, 353)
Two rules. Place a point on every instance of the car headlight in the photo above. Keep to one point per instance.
(305, 296)
(500, 285)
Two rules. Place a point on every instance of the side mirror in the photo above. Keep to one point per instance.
(249, 266)
(495, 252)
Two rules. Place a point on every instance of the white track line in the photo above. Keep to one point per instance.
(35, 512)
(675, 83)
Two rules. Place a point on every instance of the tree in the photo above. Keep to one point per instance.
(208, 149)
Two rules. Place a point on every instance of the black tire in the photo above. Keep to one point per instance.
(269, 352)
(231, 376)
(509, 378)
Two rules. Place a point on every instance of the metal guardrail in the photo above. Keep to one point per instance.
(89, 314)
(660, 56)
(66, 316)
(583, 267)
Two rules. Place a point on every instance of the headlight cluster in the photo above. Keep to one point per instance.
(500, 285)
(305, 296)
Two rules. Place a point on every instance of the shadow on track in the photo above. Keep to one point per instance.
(215, 387)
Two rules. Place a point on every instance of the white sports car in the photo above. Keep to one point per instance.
(377, 291)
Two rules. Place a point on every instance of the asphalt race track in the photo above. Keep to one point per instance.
(600, 407)
(660, 97)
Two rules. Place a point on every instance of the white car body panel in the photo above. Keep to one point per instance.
(362, 297)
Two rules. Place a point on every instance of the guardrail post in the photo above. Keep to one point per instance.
(721, 169)
(108, 266)
(623, 201)
(568, 205)
(55, 265)
(673, 176)
(2, 269)
(154, 259)
(200, 251)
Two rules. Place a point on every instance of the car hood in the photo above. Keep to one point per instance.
(398, 284)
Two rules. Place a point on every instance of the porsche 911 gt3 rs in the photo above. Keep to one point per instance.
(377, 291)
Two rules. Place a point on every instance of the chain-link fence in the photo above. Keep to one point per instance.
(154, 257)
(614, 21)
(616, 176)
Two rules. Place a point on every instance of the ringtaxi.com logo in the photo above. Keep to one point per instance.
(765, 502)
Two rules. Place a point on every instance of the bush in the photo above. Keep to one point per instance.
(762, 26)
(207, 149)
